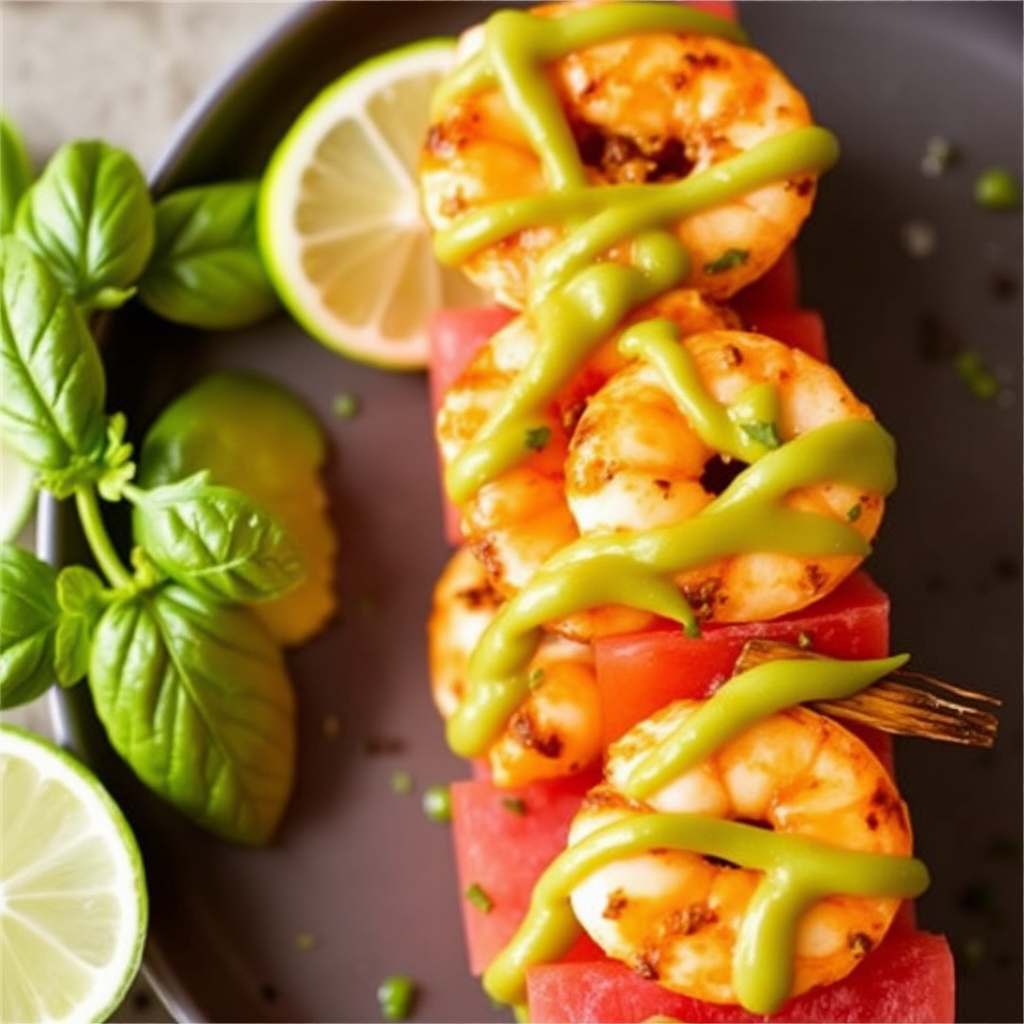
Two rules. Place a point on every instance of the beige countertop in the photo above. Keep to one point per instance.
(125, 71)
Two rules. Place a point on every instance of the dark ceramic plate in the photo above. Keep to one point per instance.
(358, 868)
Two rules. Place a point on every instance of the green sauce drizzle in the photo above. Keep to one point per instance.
(797, 872)
(577, 300)
(743, 700)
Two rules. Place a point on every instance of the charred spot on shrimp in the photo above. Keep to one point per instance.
(719, 473)
(860, 944)
(615, 905)
(531, 736)
(704, 597)
(621, 159)
(646, 965)
(885, 806)
(690, 919)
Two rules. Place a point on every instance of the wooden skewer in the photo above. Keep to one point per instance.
(903, 702)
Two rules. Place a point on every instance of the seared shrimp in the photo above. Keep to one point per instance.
(517, 520)
(658, 108)
(677, 916)
(636, 461)
(556, 731)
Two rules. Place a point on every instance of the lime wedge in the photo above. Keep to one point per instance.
(339, 220)
(73, 902)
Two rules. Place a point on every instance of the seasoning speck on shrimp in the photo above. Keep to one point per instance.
(654, 109)
(556, 731)
(676, 915)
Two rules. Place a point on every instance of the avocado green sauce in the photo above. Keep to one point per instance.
(577, 300)
(742, 701)
(797, 872)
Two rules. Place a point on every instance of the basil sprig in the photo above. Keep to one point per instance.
(191, 689)
(206, 269)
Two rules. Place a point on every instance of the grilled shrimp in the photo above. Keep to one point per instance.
(636, 462)
(557, 730)
(652, 108)
(519, 519)
(675, 915)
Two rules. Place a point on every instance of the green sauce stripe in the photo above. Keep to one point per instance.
(797, 872)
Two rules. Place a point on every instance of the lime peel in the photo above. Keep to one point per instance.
(339, 222)
(67, 956)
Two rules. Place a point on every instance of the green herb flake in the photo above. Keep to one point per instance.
(729, 260)
(974, 951)
(514, 805)
(345, 406)
(437, 803)
(854, 512)
(763, 433)
(535, 678)
(976, 375)
(997, 189)
(537, 438)
(479, 898)
(401, 782)
(396, 996)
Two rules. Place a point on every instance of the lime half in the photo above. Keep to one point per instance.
(340, 226)
(73, 902)
(17, 493)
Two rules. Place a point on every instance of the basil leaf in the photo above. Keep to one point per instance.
(54, 387)
(195, 697)
(28, 626)
(216, 540)
(15, 172)
(82, 598)
(206, 270)
(90, 216)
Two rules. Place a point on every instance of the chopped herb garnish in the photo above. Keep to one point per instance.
(762, 432)
(939, 155)
(537, 438)
(514, 805)
(437, 803)
(854, 512)
(727, 261)
(401, 782)
(345, 406)
(535, 678)
(997, 189)
(476, 895)
(976, 375)
(395, 996)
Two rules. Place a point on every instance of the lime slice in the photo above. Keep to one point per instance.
(339, 219)
(73, 903)
(17, 493)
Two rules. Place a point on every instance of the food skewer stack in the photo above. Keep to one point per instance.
(655, 637)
